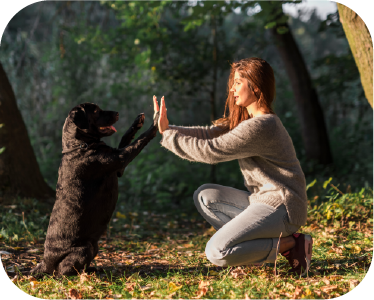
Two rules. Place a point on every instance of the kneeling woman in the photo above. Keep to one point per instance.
(248, 223)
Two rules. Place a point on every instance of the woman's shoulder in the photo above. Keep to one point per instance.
(266, 121)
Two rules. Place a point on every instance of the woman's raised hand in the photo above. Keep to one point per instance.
(163, 122)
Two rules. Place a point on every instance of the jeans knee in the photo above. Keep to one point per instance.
(202, 194)
(197, 194)
(214, 255)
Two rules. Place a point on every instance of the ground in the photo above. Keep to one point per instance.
(152, 255)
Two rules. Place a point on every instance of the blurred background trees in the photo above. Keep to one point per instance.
(118, 54)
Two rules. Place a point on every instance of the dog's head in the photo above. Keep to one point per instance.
(88, 122)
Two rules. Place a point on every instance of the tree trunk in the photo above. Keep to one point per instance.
(311, 116)
(19, 170)
(361, 45)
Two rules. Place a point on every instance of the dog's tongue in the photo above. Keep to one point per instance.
(112, 127)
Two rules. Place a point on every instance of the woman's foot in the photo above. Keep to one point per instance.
(300, 256)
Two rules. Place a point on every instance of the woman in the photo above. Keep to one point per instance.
(252, 227)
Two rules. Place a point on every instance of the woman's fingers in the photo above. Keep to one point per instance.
(163, 106)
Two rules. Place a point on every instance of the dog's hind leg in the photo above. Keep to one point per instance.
(39, 270)
(77, 261)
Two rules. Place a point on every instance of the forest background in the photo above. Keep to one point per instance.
(60, 54)
(119, 54)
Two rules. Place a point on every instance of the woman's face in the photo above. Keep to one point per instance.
(243, 95)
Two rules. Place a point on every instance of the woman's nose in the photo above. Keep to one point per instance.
(232, 89)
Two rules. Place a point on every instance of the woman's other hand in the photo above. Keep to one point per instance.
(163, 122)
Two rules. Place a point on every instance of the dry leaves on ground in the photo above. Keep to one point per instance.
(130, 286)
(353, 283)
(84, 277)
(74, 294)
(203, 289)
(329, 289)
(297, 293)
(238, 272)
(173, 287)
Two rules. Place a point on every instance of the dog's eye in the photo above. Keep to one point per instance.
(95, 111)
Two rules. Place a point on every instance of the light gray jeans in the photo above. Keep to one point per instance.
(246, 233)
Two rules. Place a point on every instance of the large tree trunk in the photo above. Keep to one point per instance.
(361, 45)
(311, 116)
(19, 170)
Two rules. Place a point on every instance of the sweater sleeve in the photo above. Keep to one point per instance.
(201, 132)
(248, 139)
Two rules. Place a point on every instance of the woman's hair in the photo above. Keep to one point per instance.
(259, 74)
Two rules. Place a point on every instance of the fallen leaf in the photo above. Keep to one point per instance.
(33, 251)
(355, 249)
(246, 296)
(238, 272)
(335, 277)
(121, 216)
(84, 277)
(202, 289)
(213, 273)
(74, 294)
(117, 296)
(335, 250)
(173, 287)
(297, 292)
(146, 287)
(329, 289)
(203, 284)
(130, 286)
(353, 283)
(290, 286)
(326, 281)
(188, 245)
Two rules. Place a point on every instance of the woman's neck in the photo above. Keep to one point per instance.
(255, 111)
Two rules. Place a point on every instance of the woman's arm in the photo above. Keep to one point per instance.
(194, 131)
(250, 138)
(200, 132)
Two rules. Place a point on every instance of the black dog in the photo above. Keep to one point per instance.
(87, 187)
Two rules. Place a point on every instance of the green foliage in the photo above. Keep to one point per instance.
(118, 54)
(344, 207)
(25, 222)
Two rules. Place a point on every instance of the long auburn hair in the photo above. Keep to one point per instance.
(259, 74)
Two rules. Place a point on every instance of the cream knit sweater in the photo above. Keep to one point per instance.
(266, 156)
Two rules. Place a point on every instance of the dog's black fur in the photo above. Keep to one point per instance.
(87, 187)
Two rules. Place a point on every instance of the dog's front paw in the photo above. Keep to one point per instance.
(139, 121)
(155, 119)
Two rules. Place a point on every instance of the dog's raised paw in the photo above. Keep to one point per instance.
(155, 118)
(139, 121)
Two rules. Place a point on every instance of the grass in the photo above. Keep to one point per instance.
(161, 255)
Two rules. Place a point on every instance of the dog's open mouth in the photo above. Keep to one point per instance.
(107, 128)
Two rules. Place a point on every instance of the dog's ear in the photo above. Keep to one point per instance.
(79, 118)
